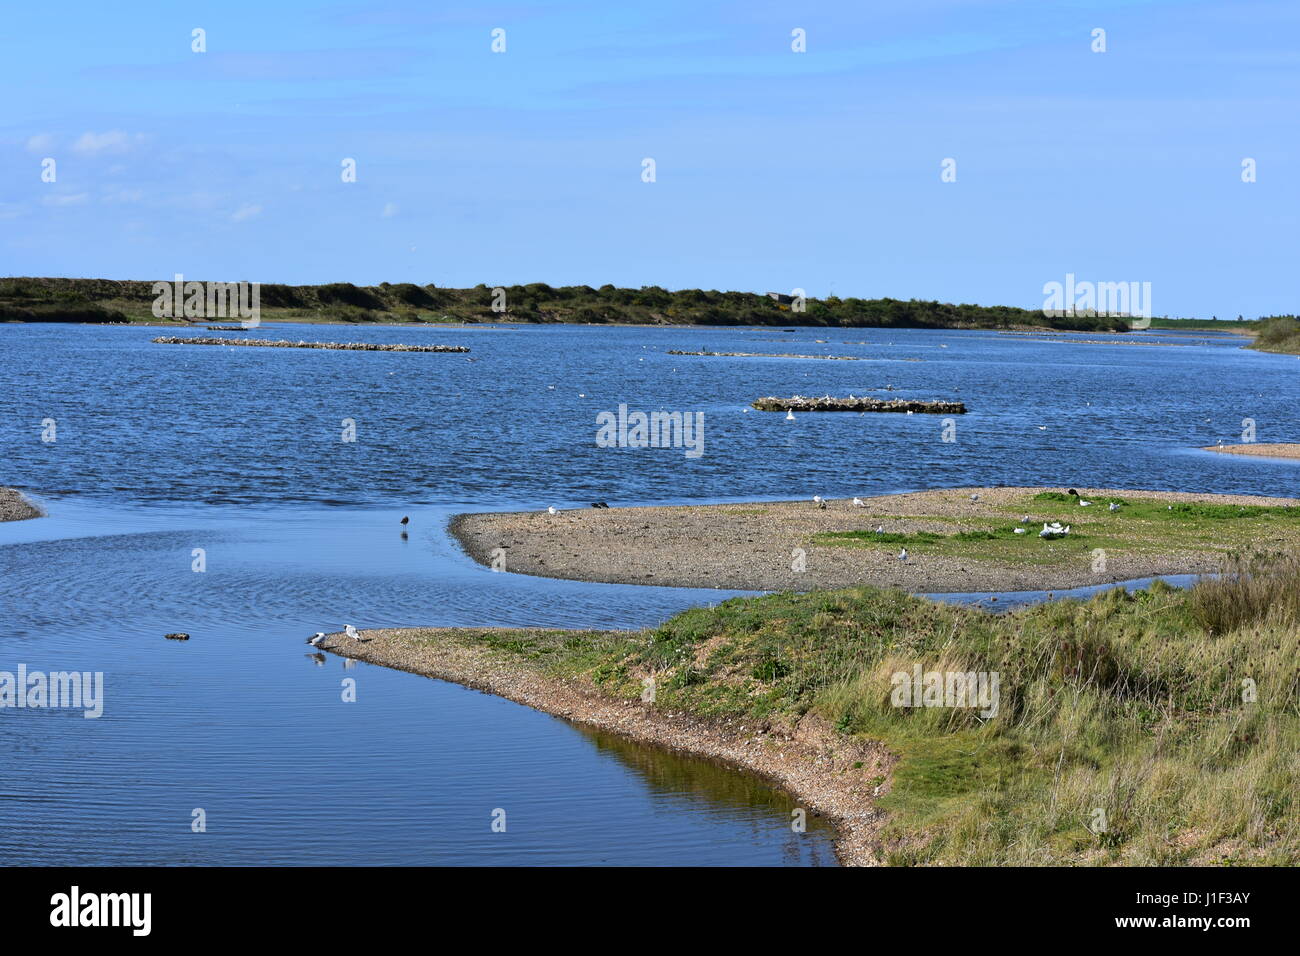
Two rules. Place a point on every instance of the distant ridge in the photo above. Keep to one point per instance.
(108, 300)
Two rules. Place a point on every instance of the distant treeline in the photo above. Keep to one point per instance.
(106, 300)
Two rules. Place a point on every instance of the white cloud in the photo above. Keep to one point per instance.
(40, 143)
(112, 141)
(246, 211)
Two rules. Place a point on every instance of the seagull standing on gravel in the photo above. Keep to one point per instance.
(551, 510)
(819, 501)
(902, 554)
(859, 503)
(880, 529)
(316, 638)
(351, 632)
(974, 497)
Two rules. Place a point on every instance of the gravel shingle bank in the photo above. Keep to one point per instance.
(751, 546)
(825, 771)
(14, 507)
(1260, 450)
(285, 344)
(853, 403)
(838, 358)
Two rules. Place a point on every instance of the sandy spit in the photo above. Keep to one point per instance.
(811, 761)
(14, 507)
(1260, 450)
(749, 546)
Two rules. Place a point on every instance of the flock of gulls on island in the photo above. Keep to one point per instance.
(1050, 531)
(1053, 530)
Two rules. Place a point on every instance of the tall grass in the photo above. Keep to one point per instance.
(1250, 588)
(1171, 716)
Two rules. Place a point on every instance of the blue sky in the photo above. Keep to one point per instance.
(774, 169)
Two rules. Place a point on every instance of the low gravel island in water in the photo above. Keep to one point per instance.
(14, 507)
(285, 344)
(854, 403)
(1260, 449)
(963, 539)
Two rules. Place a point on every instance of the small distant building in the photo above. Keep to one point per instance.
(782, 299)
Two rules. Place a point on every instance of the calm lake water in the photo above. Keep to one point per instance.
(164, 449)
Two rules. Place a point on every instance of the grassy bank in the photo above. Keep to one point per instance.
(1139, 525)
(1131, 705)
(1278, 334)
(104, 300)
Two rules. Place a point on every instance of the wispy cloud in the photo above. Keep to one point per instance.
(245, 212)
(111, 141)
(66, 199)
(40, 143)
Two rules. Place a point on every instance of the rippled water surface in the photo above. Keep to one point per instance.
(164, 449)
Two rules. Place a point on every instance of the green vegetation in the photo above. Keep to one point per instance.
(1281, 333)
(103, 300)
(1172, 712)
(1221, 325)
(1140, 525)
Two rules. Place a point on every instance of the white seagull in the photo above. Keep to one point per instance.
(819, 501)
(1084, 504)
(1025, 519)
(880, 529)
(1114, 507)
(551, 510)
(1019, 531)
(1054, 530)
(351, 632)
(859, 503)
(316, 638)
(789, 414)
(902, 554)
(974, 497)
